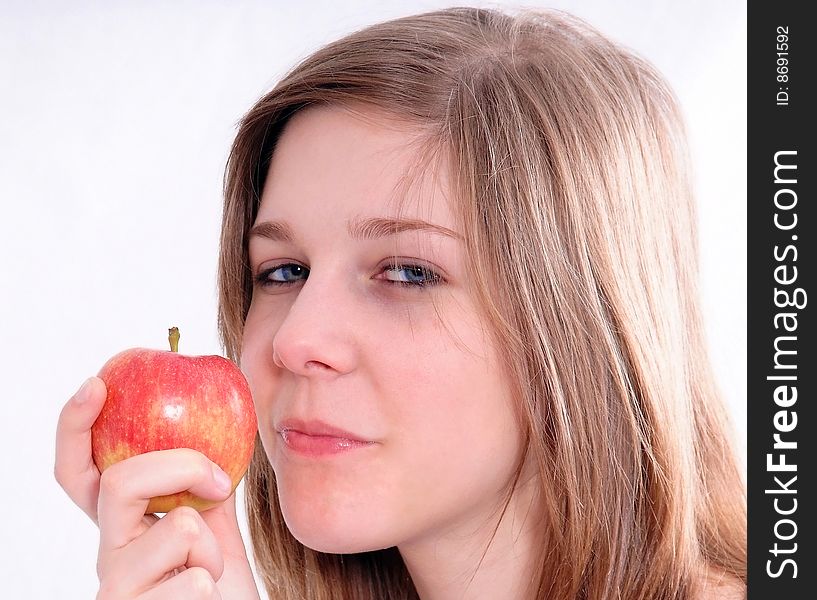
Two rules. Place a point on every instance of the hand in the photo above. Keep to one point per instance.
(185, 554)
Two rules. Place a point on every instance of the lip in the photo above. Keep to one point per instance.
(316, 438)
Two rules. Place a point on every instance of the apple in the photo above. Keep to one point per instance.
(160, 400)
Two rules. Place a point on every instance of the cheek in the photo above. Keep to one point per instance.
(257, 366)
(463, 417)
(252, 357)
(263, 320)
(457, 436)
(450, 388)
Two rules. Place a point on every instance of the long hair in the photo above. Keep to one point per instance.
(569, 176)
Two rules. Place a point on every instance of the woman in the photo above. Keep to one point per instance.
(458, 268)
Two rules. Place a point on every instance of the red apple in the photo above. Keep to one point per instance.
(160, 400)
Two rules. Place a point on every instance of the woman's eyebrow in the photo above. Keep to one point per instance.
(361, 229)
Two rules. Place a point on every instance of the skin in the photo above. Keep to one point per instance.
(409, 369)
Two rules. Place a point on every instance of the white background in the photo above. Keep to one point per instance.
(115, 123)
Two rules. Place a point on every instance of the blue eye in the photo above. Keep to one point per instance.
(270, 277)
(416, 276)
(412, 275)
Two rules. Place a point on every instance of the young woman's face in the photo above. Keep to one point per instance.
(382, 407)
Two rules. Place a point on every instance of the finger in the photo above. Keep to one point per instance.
(127, 486)
(74, 468)
(193, 584)
(180, 539)
(223, 522)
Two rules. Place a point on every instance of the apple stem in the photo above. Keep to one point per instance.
(173, 337)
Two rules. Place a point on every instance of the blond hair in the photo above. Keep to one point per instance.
(569, 181)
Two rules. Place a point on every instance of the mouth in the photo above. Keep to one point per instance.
(316, 439)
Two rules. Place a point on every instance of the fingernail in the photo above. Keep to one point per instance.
(82, 393)
(223, 481)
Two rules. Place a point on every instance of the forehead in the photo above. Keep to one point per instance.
(333, 164)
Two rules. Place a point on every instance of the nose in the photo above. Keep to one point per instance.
(317, 337)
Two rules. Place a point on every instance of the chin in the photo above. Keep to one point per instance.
(331, 536)
(333, 527)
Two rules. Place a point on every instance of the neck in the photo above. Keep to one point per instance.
(468, 561)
